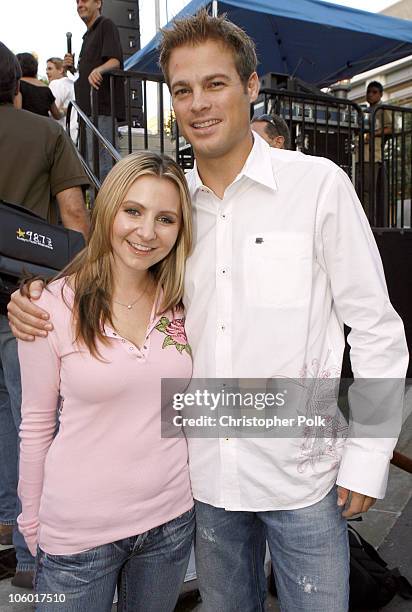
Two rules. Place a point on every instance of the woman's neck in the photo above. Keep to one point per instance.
(127, 289)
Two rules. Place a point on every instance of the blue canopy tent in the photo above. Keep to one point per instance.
(318, 42)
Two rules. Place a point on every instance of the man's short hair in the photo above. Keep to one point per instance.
(200, 28)
(375, 85)
(29, 64)
(10, 74)
(275, 126)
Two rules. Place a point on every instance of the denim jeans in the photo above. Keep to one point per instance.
(105, 159)
(10, 418)
(149, 570)
(309, 551)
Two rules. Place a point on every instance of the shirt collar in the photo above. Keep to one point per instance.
(98, 20)
(258, 167)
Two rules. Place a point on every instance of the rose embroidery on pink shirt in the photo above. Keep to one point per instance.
(175, 334)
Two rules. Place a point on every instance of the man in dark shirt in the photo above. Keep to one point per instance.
(38, 163)
(101, 52)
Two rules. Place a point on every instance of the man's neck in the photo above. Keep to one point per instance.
(219, 173)
(92, 21)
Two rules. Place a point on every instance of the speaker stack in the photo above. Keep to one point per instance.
(125, 14)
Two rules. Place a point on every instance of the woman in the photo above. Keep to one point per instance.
(108, 499)
(34, 95)
(63, 90)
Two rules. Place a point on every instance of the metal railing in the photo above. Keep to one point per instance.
(88, 132)
(390, 155)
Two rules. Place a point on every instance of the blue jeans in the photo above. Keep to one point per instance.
(105, 159)
(309, 551)
(10, 418)
(149, 570)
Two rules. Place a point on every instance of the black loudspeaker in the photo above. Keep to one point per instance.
(125, 14)
(395, 247)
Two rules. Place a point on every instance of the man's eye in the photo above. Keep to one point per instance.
(215, 84)
(181, 92)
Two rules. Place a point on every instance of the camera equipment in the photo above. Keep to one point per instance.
(30, 245)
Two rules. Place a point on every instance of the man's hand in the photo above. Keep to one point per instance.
(26, 319)
(357, 502)
(95, 78)
(68, 62)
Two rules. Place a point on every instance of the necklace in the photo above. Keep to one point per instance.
(130, 306)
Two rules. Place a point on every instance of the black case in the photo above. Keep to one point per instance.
(28, 244)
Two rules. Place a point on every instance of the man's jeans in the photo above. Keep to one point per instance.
(105, 159)
(149, 570)
(309, 551)
(10, 418)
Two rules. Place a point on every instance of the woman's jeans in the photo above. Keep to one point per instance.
(10, 418)
(149, 570)
(309, 551)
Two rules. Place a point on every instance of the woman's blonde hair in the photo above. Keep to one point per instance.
(91, 268)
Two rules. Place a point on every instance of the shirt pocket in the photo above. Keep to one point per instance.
(278, 269)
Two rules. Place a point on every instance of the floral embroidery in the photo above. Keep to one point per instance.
(324, 443)
(175, 334)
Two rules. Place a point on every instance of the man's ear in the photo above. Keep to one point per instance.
(279, 142)
(253, 87)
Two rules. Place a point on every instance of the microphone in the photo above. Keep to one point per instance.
(69, 49)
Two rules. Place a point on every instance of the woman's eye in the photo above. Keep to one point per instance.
(166, 220)
(132, 211)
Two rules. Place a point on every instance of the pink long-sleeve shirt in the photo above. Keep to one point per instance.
(107, 474)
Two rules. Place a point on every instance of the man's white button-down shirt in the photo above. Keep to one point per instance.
(279, 264)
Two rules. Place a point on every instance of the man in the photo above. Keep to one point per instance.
(375, 174)
(38, 163)
(284, 257)
(63, 90)
(101, 52)
(273, 129)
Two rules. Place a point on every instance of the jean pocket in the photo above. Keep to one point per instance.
(84, 560)
(182, 526)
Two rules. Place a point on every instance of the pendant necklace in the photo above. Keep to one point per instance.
(130, 306)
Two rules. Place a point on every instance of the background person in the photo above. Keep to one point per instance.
(273, 129)
(51, 169)
(101, 52)
(383, 127)
(108, 500)
(34, 95)
(63, 90)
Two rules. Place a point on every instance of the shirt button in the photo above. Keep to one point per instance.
(114, 334)
(145, 347)
(131, 348)
(223, 216)
(139, 356)
(223, 327)
(123, 340)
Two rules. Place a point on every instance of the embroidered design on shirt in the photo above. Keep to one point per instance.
(175, 334)
(322, 385)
